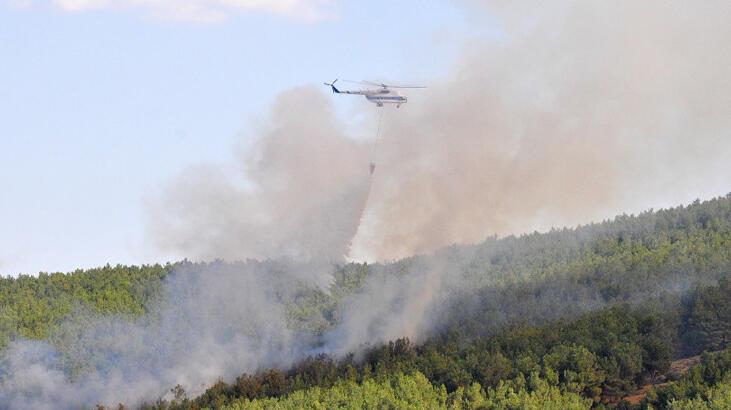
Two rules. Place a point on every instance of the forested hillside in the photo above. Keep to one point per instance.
(573, 317)
(32, 306)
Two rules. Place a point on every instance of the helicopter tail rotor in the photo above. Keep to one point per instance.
(332, 85)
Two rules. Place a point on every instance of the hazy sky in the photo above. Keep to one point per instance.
(101, 105)
(565, 114)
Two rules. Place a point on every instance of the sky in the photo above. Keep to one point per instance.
(102, 102)
(539, 117)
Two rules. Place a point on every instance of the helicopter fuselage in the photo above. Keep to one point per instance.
(380, 99)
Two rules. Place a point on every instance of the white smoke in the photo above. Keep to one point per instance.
(211, 323)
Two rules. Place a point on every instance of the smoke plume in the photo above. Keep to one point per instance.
(578, 111)
(301, 193)
(211, 323)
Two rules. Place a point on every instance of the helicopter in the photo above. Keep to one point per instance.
(385, 94)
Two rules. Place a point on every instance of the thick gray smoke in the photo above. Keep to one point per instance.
(579, 110)
(585, 109)
(301, 193)
(576, 111)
